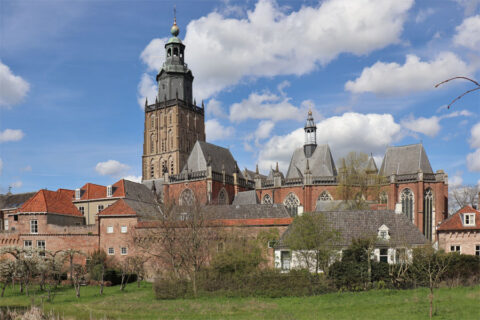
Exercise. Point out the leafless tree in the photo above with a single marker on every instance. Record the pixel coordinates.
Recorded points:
(461, 196)
(78, 276)
(463, 94)
(137, 264)
(70, 254)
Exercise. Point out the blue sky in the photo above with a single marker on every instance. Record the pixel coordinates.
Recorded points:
(72, 75)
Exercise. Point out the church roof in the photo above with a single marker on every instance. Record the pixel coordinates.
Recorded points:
(371, 166)
(405, 160)
(219, 157)
(321, 163)
(246, 197)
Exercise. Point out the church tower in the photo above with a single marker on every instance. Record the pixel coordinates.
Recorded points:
(173, 123)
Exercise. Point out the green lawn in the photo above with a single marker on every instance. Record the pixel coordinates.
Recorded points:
(134, 303)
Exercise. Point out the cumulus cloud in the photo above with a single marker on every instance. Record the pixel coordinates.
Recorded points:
(468, 33)
(430, 126)
(215, 131)
(133, 178)
(146, 89)
(413, 76)
(348, 132)
(264, 129)
(11, 135)
(475, 138)
(16, 184)
(423, 14)
(111, 168)
(470, 6)
(215, 108)
(13, 89)
(473, 161)
(268, 40)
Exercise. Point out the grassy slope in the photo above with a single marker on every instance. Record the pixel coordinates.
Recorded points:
(456, 303)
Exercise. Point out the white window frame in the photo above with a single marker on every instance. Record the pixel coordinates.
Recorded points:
(98, 208)
(469, 219)
(5, 224)
(124, 251)
(380, 255)
(44, 247)
(34, 225)
(111, 251)
(30, 246)
(109, 191)
(109, 229)
(77, 194)
(455, 248)
(123, 229)
(81, 209)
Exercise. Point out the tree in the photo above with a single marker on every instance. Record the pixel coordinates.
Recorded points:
(461, 196)
(78, 276)
(358, 182)
(137, 264)
(7, 273)
(428, 268)
(98, 261)
(313, 240)
(70, 255)
(50, 267)
(463, 94)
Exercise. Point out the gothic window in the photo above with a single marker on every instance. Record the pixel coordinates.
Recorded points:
(292, 203)
(325, 196)
(169, 52)
(152, 143)
(267, 199)
(164, 166)
(428, 213)
(187, 198)
(152, 169)
(152, 122)
(175, 52)
(163, 145)
(407, 203)
(170, 139)
(172, 167)
(181, 53)
(383, 198)
(223, 197)
(170, 117)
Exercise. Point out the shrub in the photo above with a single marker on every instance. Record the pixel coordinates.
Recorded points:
(170, 288)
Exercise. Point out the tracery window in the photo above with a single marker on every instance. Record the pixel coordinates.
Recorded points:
(172, 167)
(325, 196)
(152, 143)
(292, 203)
(383, 198)
(428, 213)
(223, 197)
(407, 203)
(187, 198)
(152, 169)
(152, 121)
(267, 199)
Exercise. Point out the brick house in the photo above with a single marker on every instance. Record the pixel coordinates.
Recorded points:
(461, 232)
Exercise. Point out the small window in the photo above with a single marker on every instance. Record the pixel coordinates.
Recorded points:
(82, 209)
(455, 248)
(99, 208)
(41, 247)
(123, 229)
(285, 258)
(111, 251)
(383, 255)
(27, 244)
(33, 226)
(383, 234)
(5, 224)
(469, 219)
(15, 217)
(477, 250)
(110, 229)
(77, 194)
(124, 251)
(109, 191)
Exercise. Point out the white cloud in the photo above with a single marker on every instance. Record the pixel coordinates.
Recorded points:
(268, 41)
(11, 135)
(13, 89)
(215, 131)
(456, 180)
(422, 15)
(111, 168)
(473, 161)
(16, 184)
(28, 168)
(468, 33)
(470, 6)
(349, 132)
(214, 108)
(427, 126)
(146, 89)
(264, 129)
(475, 138)
(415, 75)
(154, 54)
(133, 178)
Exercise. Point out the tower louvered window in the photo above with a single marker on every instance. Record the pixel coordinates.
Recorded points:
(292, 203)
(407, 203)
(428, 214)
(267, 199)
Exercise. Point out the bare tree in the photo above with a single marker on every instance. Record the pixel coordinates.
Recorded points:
(70, 255)
(78, 276)
(137, 264)
(463, 94)
(461, 196)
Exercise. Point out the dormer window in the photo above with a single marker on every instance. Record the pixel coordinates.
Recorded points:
(383, 233)
(469, 219)
(109, 191)
(77, 194)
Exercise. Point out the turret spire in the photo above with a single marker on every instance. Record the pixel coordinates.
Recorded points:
(310, 135)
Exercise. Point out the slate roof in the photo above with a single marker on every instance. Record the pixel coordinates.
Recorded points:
(371, 166)
(250, 175)
(13, 201)
(405, 160)
(246, 197)
(455, 221)
(357, 224)
(321, 163)
(220, 158)
(46, 201)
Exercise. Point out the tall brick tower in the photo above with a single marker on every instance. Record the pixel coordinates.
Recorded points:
(173, 123)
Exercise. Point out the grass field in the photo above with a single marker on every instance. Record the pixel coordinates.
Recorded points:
(139, 303)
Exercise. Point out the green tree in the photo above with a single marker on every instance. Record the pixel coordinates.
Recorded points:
(314, 241)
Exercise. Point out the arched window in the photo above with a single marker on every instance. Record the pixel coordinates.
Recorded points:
(170, 140)
(428, 213)
(223, 196)
(407, 203)
(152, 169)
(267, 199)
(152, 143)
(187, 198)
(181, 53)
(383, 198)
(175, 52)
(172, 167)
(292, 203)
(152, 121)
(169, 52)
(325, 196)
(164, 166)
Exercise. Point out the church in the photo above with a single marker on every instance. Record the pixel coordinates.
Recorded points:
(181, 167)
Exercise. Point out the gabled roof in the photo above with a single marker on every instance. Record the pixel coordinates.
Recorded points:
(250, 175)
(246, 197)
(46, 201)
(371, 166)
(405, 160)
(69, 193)
(321, 163)
(128, 207)
(13, 201)
(455, 221)
(359, 224)
(220, 158)
(92, 191)
(120, 189)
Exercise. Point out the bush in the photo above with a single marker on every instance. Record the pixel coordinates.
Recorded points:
(111, 275)
(170, 288)
(463, 270)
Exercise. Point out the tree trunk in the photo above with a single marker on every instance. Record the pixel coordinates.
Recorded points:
(3, 289)
(369, 264)
(71, 270)
(430, 296)
(138, 281)
(194, 283)
(102, 281)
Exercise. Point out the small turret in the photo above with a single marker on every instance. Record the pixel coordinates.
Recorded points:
(310, 136)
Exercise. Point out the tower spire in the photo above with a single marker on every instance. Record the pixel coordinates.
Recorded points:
(310, 135)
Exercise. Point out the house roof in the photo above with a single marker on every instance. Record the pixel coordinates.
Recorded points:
(46, 201)
(321, 163)
(219, 158)
(246, 197)
(128, 207)
(13, 201)
(250, 175)
(405, 160)
(455, 221)
(120, 189)
(358, 224)
(69, 193)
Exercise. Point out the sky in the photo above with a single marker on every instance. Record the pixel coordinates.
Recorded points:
(74, 76)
